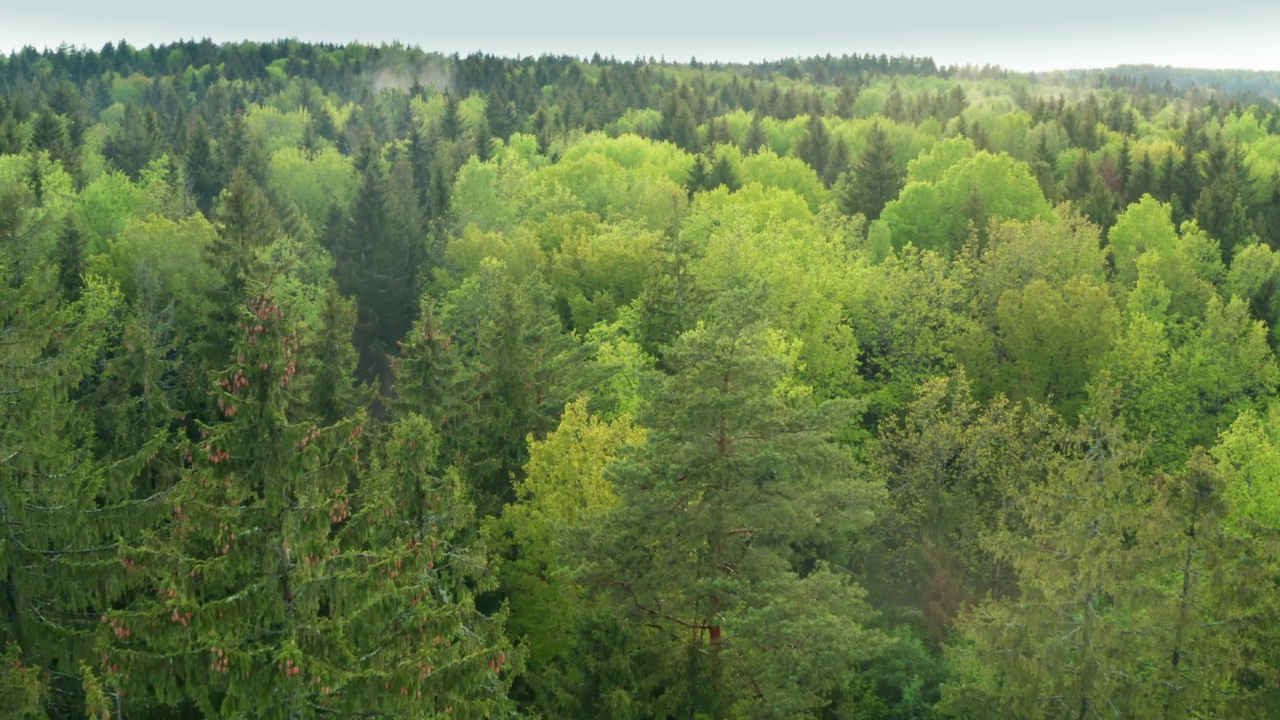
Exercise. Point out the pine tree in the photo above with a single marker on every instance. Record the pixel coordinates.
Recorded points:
(716, 543)
(874, 180)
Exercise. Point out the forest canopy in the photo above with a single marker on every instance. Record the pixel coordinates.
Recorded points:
(360, 381)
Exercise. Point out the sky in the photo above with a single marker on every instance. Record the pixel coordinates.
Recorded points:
(1016, 34)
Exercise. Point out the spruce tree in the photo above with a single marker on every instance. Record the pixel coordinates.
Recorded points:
(1063, 646)
(723, 174)
(517, 368)
(71, 260)
(198, 160)
(874, 180)
(838, 163)
(756, 137)
(295, 581)
(1143, 180)
(136, 143)
(698, 177)
(61, 511)
(814, 147)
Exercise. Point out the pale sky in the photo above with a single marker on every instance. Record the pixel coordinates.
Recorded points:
(1019, 35)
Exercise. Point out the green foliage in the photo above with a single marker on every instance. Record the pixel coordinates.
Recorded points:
(709, 347)
(938, 215)
(724, 516)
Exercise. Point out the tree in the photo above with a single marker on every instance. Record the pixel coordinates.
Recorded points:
(1064, 645)
(201, 170)
(516, 370)
(953, 464)
(71, 260)
(1126, 601)
(725, 537)
(837, 163)
(563, 493)
(814, 146)
(723, 174)
(61, 514)
(377, 256)
(50, 134)
(874, 180)
(135, 143)
(756, 137)
(940, 215)
(294, 581)
(698, 177)
(1050, 341)
(679, 125)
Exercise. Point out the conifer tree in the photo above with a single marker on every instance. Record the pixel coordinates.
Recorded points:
(1124, 169)
(679, 125)
(198, 161)
(516, 370)
(421, 156)
(136, 143)
(874, 180)
(71, 260)
(292, 580)
(377, 257)
(814, 147)
(329, 362)
(723, 175)
(756, 137)
(717, 542)
(698, 177)
(1042, 167)
(50, 133)
(1143, 179)
(1064, 645)
(60, 513)
(838, 163)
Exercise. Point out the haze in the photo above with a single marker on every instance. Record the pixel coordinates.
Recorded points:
(1017, 35)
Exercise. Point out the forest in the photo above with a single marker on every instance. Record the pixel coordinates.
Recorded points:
(353, 381)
